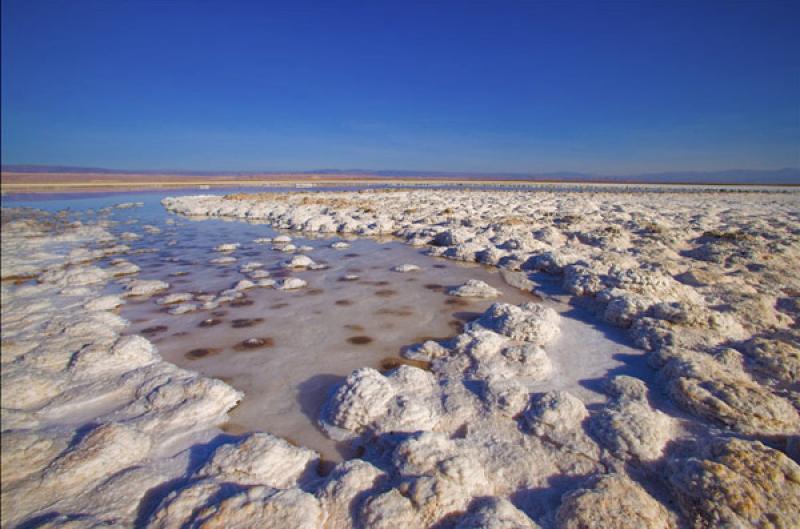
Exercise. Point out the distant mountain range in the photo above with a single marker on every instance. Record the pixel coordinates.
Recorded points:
(786, 176)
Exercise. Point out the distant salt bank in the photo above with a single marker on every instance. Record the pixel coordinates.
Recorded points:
(99, 429)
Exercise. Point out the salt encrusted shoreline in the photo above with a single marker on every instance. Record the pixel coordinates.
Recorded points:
(707, 284)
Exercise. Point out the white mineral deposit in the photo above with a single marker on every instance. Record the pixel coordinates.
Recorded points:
(576, 358)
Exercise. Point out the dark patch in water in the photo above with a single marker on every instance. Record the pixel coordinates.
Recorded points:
(354, 270)
(351, 255)
(456, 302)
(179, 273)
(354, 327)
(343, 302)
(395, 312)
(385, 293)
(219, 313)
(359, 340)
(440, 266)
(181, 333)
(436, 287)
(149, 331)
(393, 362)
(242, 302)
(251, 254)
(201, 352)
(254, 343)
(280, 305)
(245, 322)
(210, 322)
(314, 291)
(348, 279)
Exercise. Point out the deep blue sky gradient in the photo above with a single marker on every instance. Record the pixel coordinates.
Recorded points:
(604, 87)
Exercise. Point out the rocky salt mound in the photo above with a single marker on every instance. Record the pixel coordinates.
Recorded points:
(707, 286)
(91, 420)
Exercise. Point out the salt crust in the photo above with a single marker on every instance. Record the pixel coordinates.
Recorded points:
(93, 424)
(661, 271)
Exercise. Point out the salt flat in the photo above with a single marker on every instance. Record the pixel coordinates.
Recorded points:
(646, 375)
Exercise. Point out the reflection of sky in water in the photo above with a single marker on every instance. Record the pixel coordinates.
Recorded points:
(310, 339)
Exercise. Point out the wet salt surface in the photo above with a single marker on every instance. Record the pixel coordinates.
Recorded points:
(288, 349)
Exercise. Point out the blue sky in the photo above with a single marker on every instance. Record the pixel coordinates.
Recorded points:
(603, 87)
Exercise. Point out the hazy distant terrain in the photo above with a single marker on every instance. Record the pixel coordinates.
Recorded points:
(46, 173)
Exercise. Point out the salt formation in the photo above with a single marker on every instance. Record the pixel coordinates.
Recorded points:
(403, 401)
(302, 262)
(612, 501)
(404, 268)
(475, 289)
(227, 247)
(736, 483)
(88, 415)
(531, 322)
(98, 430)
(291, 283)
(704, 283)
(629, 426)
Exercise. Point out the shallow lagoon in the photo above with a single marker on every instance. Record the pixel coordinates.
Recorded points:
(288, 349)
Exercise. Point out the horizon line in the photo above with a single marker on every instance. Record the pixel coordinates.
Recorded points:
(55, 168)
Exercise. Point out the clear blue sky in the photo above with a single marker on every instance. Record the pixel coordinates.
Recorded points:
(604, 87)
